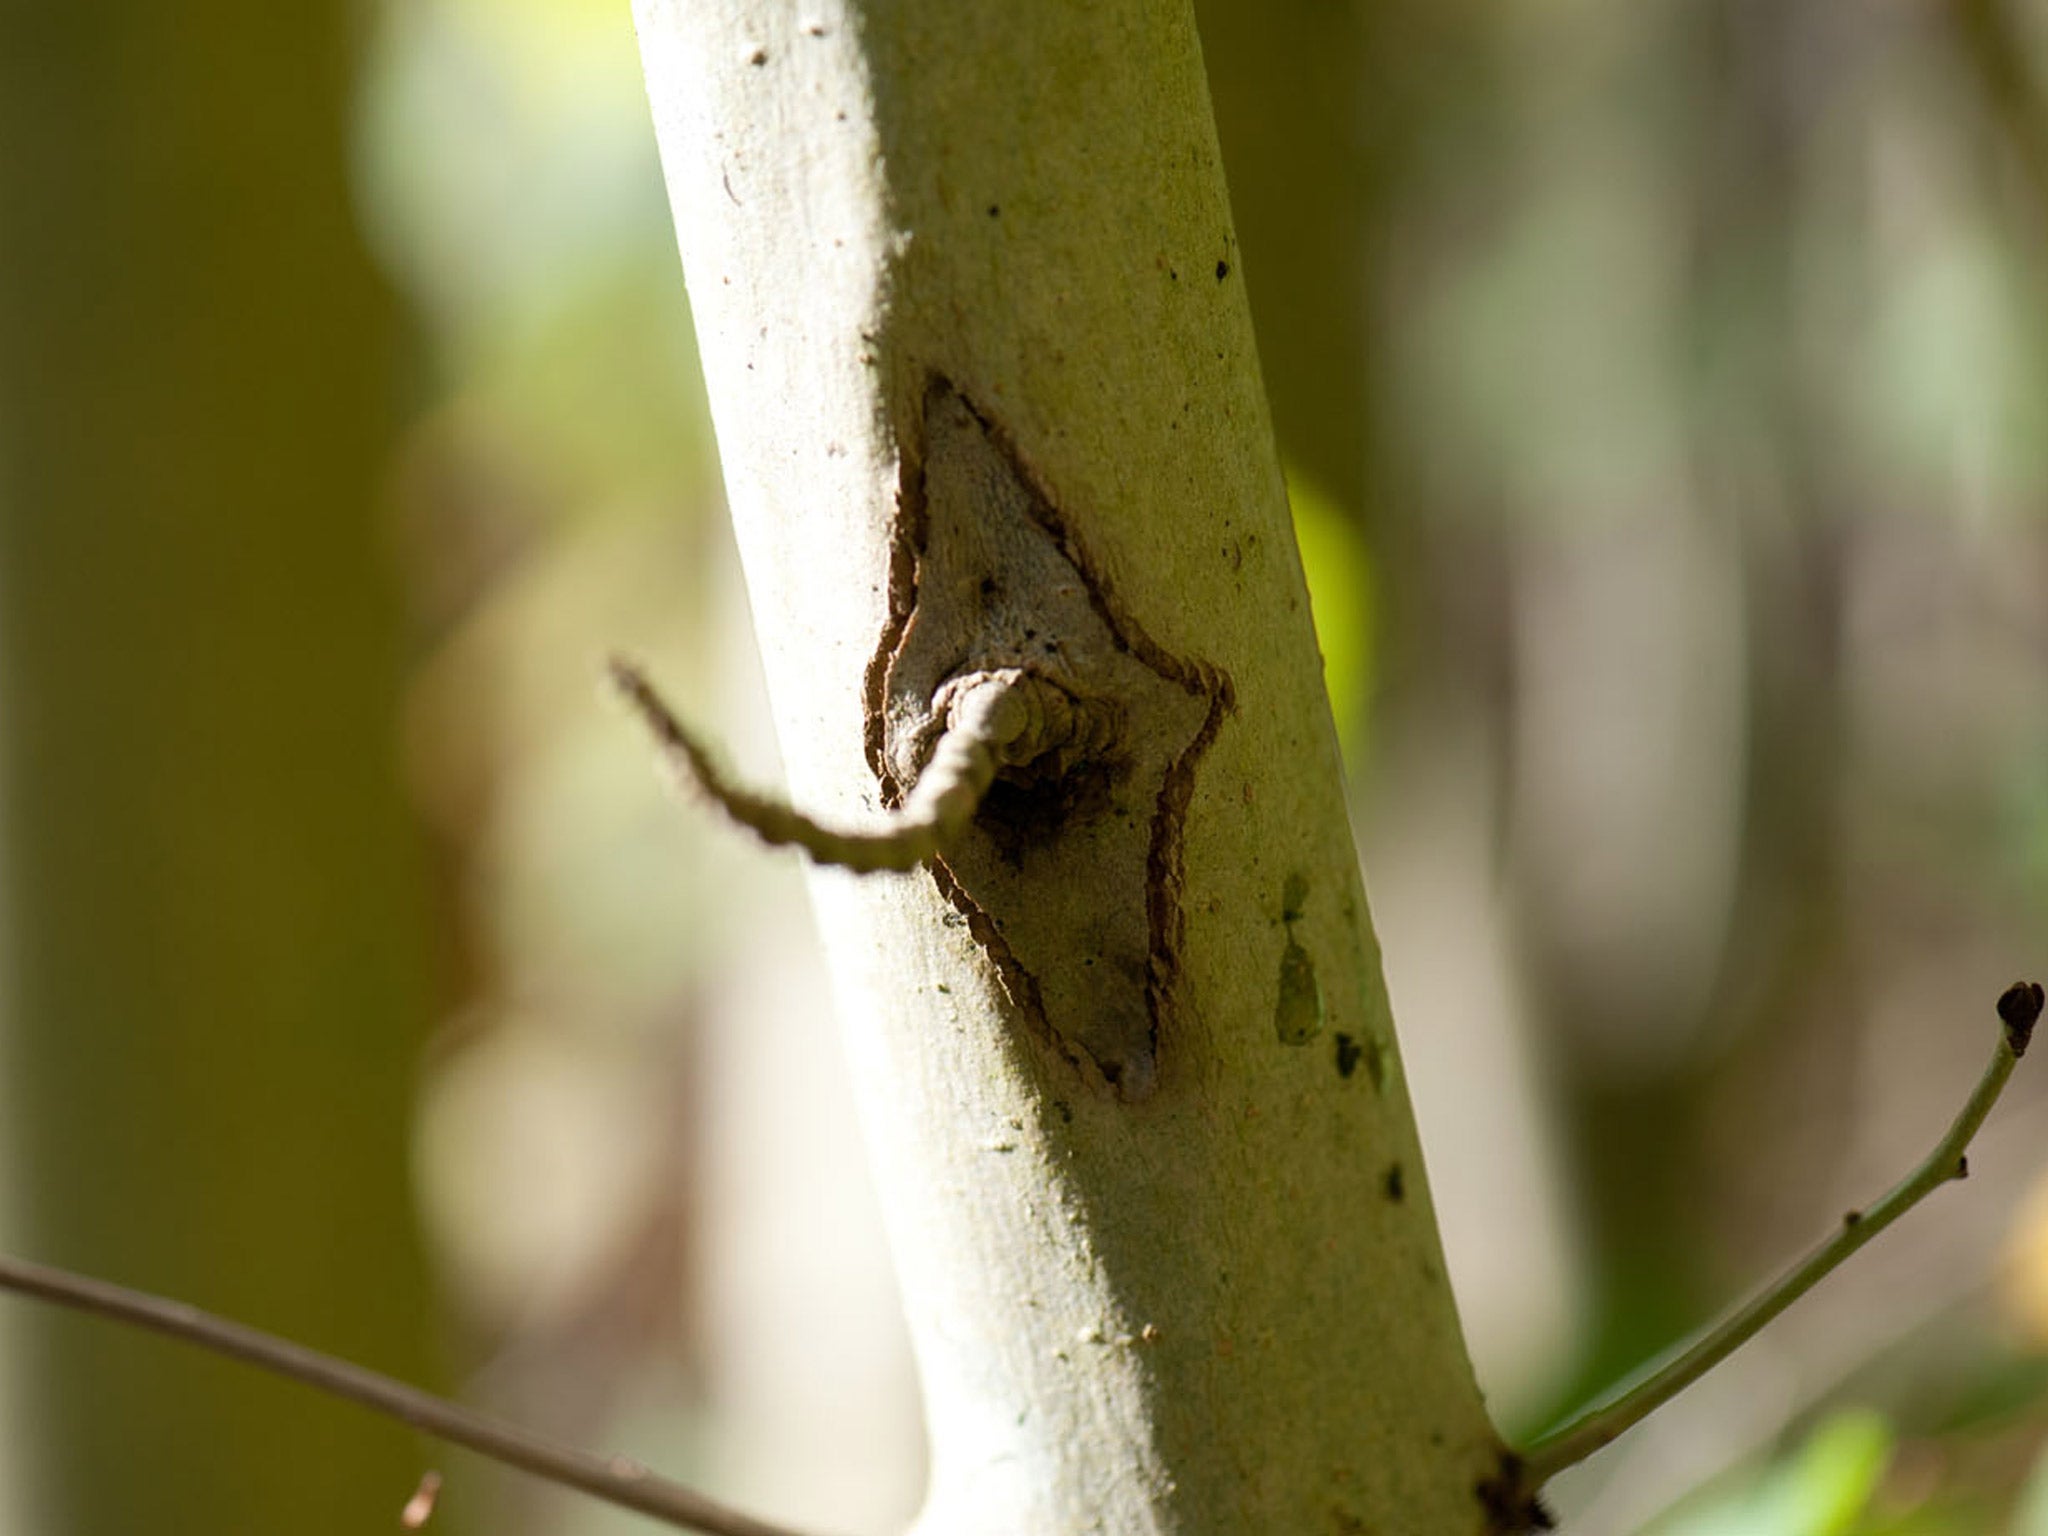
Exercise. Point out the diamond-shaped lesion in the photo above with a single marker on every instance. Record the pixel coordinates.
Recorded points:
(1069, 874)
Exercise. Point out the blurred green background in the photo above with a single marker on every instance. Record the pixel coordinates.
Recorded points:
(1665, 390)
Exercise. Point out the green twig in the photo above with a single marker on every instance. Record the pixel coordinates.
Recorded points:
(617, 1479)
(2017, 1010)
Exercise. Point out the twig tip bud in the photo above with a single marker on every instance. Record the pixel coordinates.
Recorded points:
(2018, 1007)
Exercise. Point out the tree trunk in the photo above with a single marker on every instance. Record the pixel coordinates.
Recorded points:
(981, 365)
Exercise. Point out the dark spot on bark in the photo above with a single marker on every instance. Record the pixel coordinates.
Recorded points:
(2019, 1007)
(1222, 270)
(1397, 1184)
(1348, 1053)
(760, 57)
(1064, 1110)
(1293, 897)
(1023, 810)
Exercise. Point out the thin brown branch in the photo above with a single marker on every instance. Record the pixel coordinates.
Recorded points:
(995, 719)
(616, 1479)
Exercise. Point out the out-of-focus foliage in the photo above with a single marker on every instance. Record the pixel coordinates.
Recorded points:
(1822, 1489)
(1338, 566)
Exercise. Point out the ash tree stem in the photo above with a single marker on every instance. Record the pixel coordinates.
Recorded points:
(615, 1479)
(2018, 1008)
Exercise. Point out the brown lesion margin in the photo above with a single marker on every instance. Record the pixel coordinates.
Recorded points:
(1166, 919)
(906, 545)
(1164, 876)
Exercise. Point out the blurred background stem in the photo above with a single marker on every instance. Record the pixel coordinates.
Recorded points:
(215, 990)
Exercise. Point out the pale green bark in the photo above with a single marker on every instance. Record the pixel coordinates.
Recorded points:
(1209, 1298)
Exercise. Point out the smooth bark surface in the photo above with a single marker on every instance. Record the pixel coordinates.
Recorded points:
(1165, 1240)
